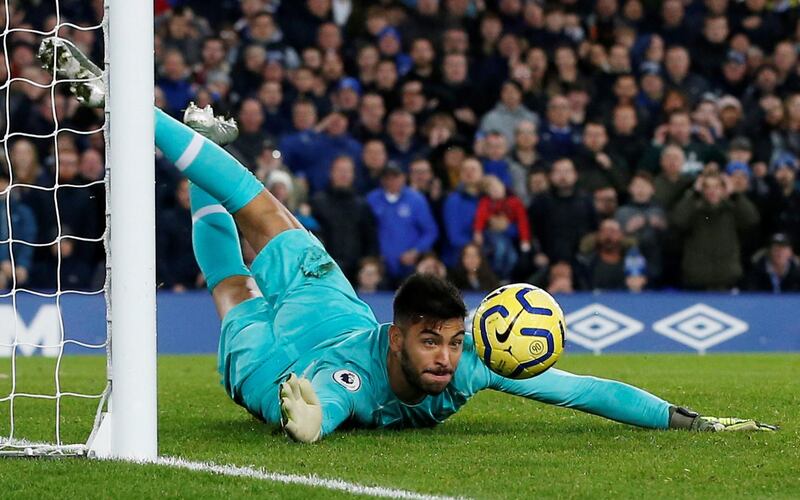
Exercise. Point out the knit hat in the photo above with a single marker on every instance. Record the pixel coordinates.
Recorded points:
(280, 177)
(737, 166)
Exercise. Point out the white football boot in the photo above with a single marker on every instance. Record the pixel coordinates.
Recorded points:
(71, 64)
(215, 128)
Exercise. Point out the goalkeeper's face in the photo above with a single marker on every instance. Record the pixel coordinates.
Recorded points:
(430, 352)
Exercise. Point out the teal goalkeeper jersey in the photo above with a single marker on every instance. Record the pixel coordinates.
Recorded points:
(350, 378)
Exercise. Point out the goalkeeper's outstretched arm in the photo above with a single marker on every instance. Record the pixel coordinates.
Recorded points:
(606, 398)
(617, 401)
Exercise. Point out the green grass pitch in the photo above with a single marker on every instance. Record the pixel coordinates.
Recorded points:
(498, 446)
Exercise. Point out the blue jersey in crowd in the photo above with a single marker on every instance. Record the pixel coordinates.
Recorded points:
(405, 222)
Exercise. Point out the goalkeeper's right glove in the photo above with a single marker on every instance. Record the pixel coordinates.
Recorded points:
(301, 412)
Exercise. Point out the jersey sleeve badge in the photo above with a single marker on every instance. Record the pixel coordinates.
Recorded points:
(347, 379)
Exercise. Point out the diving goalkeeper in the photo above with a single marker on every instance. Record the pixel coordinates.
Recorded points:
(300, 349)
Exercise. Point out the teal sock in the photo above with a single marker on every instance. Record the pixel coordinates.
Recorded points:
(214, 239)
(205, 163)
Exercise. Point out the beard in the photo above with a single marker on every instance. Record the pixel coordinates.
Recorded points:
(413, 377)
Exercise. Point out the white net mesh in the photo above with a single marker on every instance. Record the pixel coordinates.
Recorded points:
(52, 381)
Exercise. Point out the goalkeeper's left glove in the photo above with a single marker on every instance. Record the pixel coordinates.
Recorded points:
(684, 418)
(301, 412)
(728, 424)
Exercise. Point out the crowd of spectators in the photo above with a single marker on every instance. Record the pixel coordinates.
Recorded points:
(573, 144)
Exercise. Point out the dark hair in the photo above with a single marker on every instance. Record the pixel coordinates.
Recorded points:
(426, 297)
(644, 175)
(487, 280)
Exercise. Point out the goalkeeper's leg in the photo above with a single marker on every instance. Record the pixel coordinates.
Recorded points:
(258, 214)
(218, 252)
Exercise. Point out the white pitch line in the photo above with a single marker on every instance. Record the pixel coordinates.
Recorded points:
(309, 480)
(27, 448)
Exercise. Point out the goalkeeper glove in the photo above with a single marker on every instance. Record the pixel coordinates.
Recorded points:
(684, 418)
(728, 424)
(301, 412)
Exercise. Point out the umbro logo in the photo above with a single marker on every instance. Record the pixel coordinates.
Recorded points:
(700, 327)
(596, 327)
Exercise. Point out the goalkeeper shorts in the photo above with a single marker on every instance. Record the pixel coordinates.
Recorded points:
(307, 304)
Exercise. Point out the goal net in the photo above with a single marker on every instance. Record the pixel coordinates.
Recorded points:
(63, 389)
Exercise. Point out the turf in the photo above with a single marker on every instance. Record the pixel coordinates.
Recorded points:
(497, 447)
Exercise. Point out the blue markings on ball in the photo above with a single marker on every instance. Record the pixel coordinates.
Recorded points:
(498, 309)
(535, 332)
(527, 305)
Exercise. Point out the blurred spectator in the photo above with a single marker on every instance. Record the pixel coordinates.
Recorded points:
(23, 228)
(711, 47)
(334, 141)
(302, 150)
(671, 182)
(406, 227)
(495, 160)
(175, 82)
(767, 134)
(645, 221)
(184, 32)
(472, 271)
(775, 269)
(559, 138)
(370, 278)
(367, 59)
(281, 185)
(782, 208)
(422, 180)
(371, 112)
(626, 139)
(524, 158)
(563, 215)
(77, 213)
(456, 93)
(277, 121)
(425, 21)
(247, 73)
(305, 18)
(386, 77)
(429, 263)
(423, 56)
(605, 203)
(508, 112)
(597, 166)
(459, 209)
(346, 97)
(390, 47)
(678, 75)
(501, 227)
(734, 74)
(212, 60)
(247, 147)
(608, 261)
(560, 278)
(678, 130)
(347, 226)
(261, 30)
(402, 144)
(373, 160)
(712, 220)
(176, 268)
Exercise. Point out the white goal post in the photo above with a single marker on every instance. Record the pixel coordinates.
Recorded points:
(129, 429)
(125, 423)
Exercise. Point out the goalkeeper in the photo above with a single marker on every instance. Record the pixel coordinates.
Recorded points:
(300, 349)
